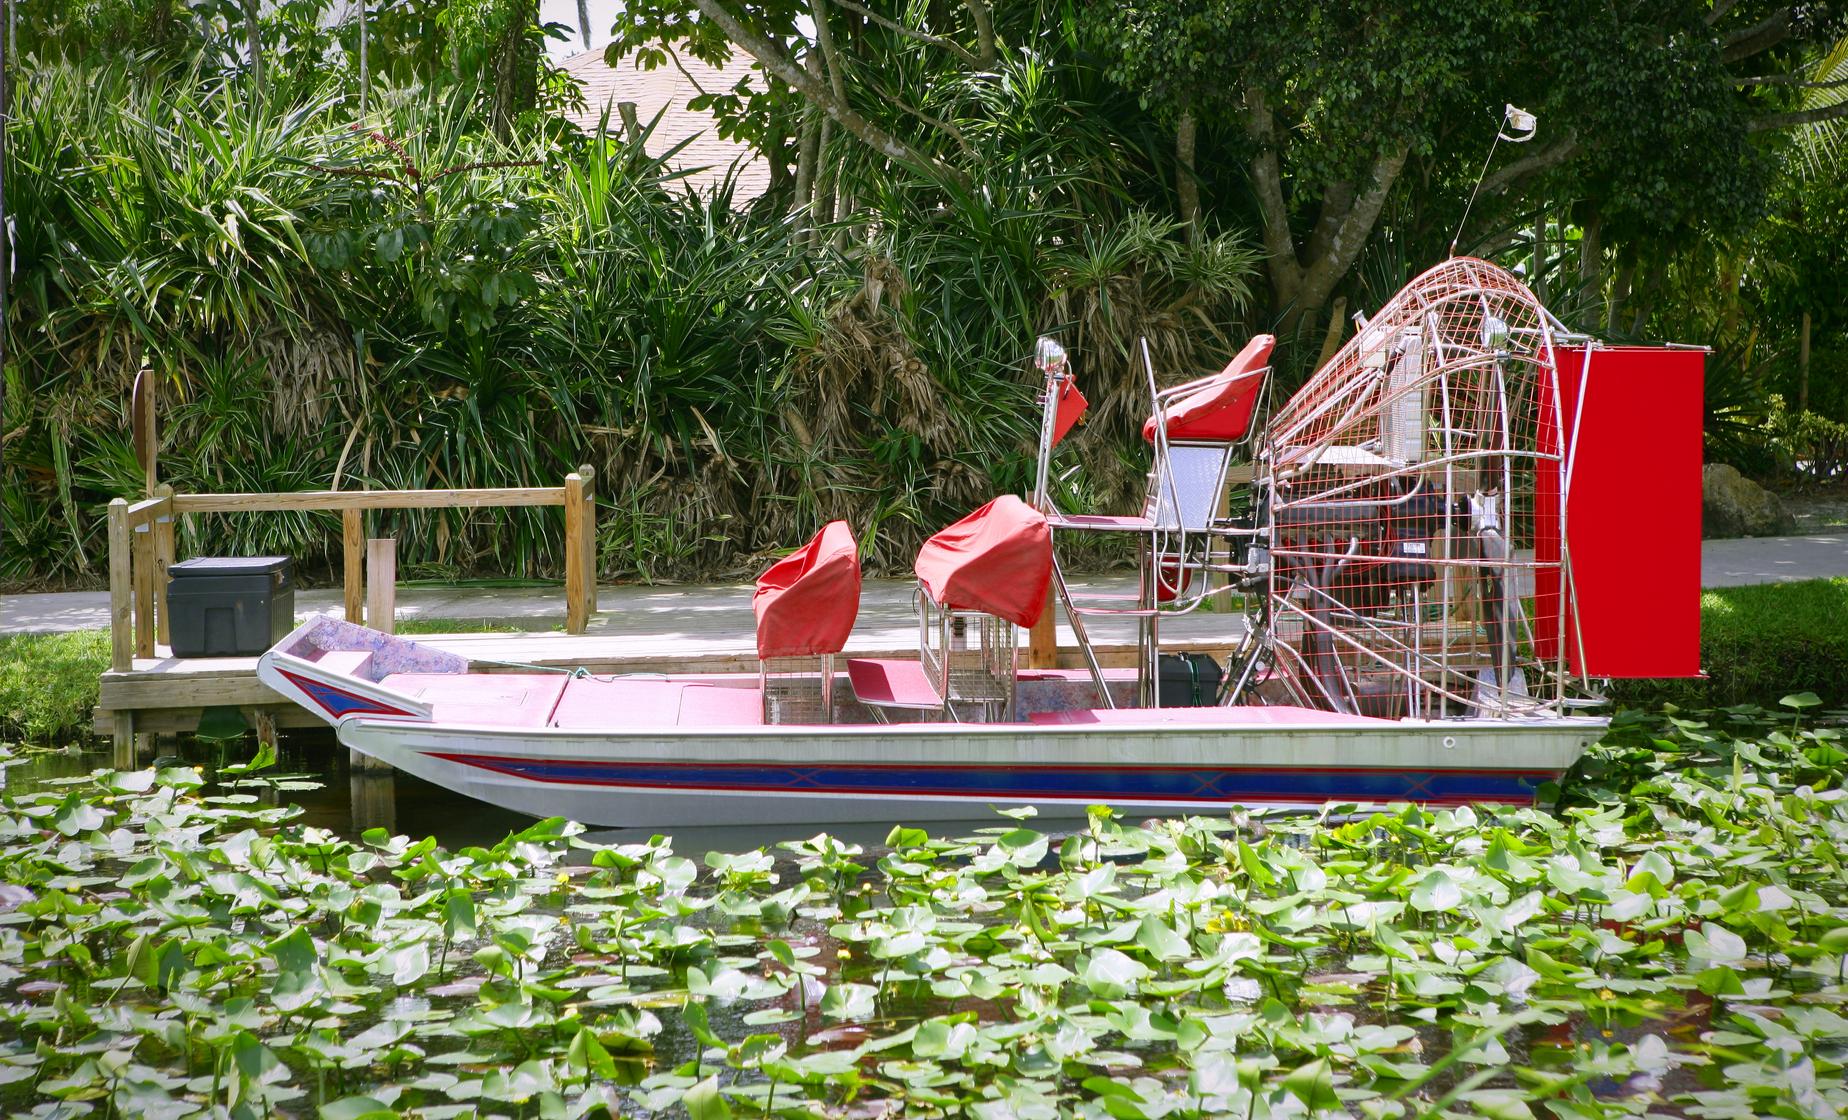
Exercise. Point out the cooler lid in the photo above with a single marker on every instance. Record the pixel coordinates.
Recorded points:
(229, 566)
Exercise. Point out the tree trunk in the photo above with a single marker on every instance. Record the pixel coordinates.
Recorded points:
(584, 21)
(822, 208)
(365, 77)
(253, 43)
(1591, 269)
(1352, 232)
(984, 33)
(1337, 326)
(844, 233)
(777, 62)
(1803, 365)
(1537, 274)
(1620, 289)
(824, 38)
(1186, 179)
(807, 149)
(1731, 273)
(516, 69)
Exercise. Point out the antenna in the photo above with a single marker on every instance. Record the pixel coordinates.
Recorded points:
(1523, 125)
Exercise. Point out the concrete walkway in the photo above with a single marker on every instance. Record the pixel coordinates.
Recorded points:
(1735, 563)
(1728, 563)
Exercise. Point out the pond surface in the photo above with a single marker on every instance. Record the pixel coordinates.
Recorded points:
(348, 802)
(1670, 941)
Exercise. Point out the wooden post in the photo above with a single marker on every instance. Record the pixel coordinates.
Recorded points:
(163, 559)
(371, 794)
(141, 552)
(575, 613)
(382, 584)
(123, 739)
(353, 542)
(589, 475)
(121, 593)
(142, 431)
(1043, 639)
(265, 724)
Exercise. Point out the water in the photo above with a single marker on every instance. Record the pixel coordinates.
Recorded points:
(347, 802)
(350, 801)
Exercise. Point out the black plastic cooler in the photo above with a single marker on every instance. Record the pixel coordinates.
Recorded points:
(229, 606)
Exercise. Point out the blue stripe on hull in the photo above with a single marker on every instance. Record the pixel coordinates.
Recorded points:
(1029, 783)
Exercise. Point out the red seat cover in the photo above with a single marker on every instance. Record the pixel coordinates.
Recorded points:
(807, 601)
(1071, 408)
(997, 560)
(1220, 411)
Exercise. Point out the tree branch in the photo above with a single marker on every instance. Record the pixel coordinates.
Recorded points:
(824, 35)
(1758, 38)
(777, 62)
(1267, 181)
(1337, 200)
(1186, 177)
(943, 126)
(1565, 149)
(1790, 120)
(1327, 271)
(1720, 8)
(984, 33)
(1797, 80)
(912, 32)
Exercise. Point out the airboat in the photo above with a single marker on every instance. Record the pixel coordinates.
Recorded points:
(1445, 543)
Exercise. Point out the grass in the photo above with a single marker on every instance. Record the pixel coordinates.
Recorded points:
(1761, 643)
(464, 626)
(48, 683)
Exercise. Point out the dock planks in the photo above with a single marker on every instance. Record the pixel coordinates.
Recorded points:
(637, 630)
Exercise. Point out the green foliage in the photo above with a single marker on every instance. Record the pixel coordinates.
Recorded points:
(460, 290)
(1761, 643)
(48, 684)
(413, 303)
(1802, 446)
(1507, 961)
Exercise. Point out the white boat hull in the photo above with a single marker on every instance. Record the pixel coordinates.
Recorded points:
(909, 773)
(662, 753)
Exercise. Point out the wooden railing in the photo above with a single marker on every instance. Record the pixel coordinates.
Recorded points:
(141, 543)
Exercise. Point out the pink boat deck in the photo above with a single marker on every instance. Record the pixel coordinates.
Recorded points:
(584, 703)
(1241, 716)
(593, 704)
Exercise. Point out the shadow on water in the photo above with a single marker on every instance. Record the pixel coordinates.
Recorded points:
(350, 800)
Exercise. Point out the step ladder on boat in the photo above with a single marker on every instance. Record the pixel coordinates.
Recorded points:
(1199, 432)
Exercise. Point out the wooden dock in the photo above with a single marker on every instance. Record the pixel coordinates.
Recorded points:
(633, 630)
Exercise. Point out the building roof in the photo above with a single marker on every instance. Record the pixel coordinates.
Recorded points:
(670, 87)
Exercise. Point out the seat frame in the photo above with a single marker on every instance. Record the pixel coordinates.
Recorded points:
(1180, 526)
(979, 680)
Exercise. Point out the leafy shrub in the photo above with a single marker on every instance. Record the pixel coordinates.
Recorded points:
(48, 683)
(1806, 446)
(416, 303)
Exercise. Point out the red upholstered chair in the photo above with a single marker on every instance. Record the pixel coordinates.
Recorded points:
(978, 580)
(805, 606)
(1219, 408)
